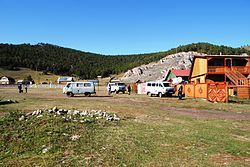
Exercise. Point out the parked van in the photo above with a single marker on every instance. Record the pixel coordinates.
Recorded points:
(75, 88)
(159, 88)
(116, 87)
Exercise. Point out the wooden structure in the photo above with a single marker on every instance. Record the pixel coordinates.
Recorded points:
(184, 74)
(233, 70)
(214, 92)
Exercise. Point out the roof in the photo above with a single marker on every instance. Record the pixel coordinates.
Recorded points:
(65, 79)
(181, 73)
(222, 56)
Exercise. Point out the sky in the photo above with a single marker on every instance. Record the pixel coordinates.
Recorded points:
(118, 27)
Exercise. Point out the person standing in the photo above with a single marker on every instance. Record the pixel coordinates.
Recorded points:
(109, 89)
(129, 89)
(180, 92)
(19, 88)
(26, 88)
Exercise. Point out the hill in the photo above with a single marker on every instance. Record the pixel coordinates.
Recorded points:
(65, 61)
(22, 73)
(247, 47)
(157, 70)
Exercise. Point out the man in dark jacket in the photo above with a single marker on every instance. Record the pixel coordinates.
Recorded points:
(180, 92)
(129, 89)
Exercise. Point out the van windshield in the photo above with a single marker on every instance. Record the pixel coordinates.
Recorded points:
(121, 84)
(166, 84)
(68, 85)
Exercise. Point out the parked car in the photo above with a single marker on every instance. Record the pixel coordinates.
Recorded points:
(116, 87)
(75, 88)
(159, 88)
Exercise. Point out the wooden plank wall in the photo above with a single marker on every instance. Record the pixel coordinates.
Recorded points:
(243, 92)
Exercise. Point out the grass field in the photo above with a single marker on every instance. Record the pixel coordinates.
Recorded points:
(152, 131)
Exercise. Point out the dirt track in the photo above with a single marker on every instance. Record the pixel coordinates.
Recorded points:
(206, 114)
(133, 105)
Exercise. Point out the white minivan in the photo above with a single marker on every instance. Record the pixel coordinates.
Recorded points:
(159, 88)
(75, 88)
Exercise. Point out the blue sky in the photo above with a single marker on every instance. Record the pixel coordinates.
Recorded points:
(125, 26)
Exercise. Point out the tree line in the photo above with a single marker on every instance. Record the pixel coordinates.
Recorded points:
(86, 65)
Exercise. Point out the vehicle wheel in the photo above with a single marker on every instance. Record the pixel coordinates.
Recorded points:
(160, 95)
(87, 94)
(169, 95)
(116, 92)
(149, 94)
(70, 94)
(123, 92)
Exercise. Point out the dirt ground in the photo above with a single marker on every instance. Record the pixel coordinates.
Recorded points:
(138, 105)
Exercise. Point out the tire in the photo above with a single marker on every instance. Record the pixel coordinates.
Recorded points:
(160, 94)
(87, 94)
(70, 94)
(149, 94)
(123, 92)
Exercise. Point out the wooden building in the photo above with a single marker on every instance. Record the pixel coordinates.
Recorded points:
(172, 73)
(232, 70)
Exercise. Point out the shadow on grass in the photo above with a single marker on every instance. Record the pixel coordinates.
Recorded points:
(83, 96)
(238, 100)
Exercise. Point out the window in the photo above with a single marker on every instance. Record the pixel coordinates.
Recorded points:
(87, 85)
(157, 84)
(68, 85)
(166, 84)
(121, 84)
(216, 62)
(153, 84)
(79, 84)
(149, 84)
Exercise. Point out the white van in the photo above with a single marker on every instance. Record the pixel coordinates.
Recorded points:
(159, 88)
(74, 88)
(116, 87)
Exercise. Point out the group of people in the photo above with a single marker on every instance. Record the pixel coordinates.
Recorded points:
(20, 90)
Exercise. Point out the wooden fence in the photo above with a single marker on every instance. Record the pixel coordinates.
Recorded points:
(216, 92)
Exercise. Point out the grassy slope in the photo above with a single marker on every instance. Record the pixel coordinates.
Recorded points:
(24, 72)
(148, 134)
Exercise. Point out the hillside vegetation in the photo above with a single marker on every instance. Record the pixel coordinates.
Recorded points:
(66, 61)
(23, 73)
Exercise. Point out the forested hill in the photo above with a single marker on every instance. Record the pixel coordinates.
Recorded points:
(66, 61)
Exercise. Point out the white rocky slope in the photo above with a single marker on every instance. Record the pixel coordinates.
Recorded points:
(157, 70)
